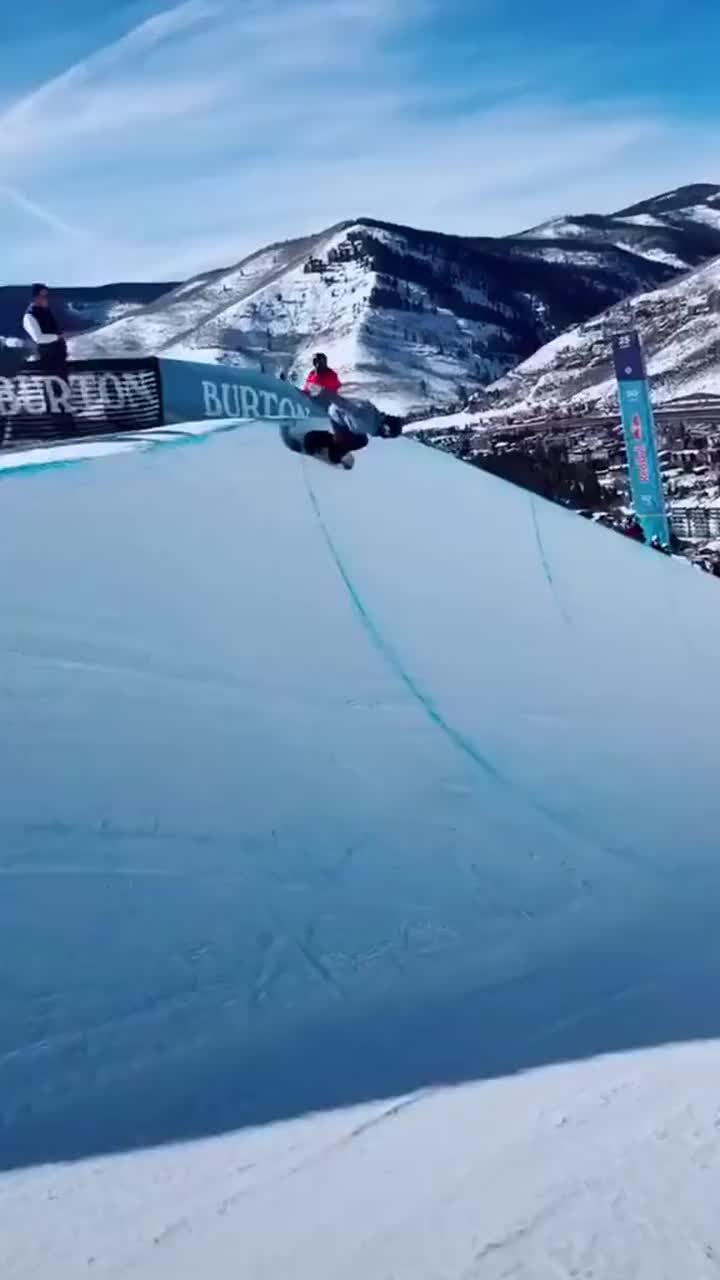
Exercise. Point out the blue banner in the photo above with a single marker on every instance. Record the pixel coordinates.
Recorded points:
(639, 428)
(191, 392)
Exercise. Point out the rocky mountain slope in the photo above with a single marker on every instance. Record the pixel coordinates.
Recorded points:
(680, 327)
(679, 321)
(413, 318)
(680, 228)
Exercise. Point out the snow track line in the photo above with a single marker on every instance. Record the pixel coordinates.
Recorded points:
(546, 564)
(460, 740)
(393, 659)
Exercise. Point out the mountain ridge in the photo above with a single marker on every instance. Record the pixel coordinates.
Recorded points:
(412, 317)
(420, 320)
(681, 336)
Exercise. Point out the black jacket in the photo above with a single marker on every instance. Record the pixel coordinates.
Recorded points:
(43, 319)
(41, 326)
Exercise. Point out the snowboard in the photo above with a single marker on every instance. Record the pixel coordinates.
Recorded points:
(294, 439)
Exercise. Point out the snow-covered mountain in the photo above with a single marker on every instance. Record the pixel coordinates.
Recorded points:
(698, 203)
(80, 308)
(680, 326)
(413, 318)
(679, 228)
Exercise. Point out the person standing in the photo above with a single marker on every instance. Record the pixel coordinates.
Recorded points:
(41, 326)
(321, 376)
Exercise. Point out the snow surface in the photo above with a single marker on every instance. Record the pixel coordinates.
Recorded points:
(705, 213)
(356, 871)
(57, 455)
(451, 421)
(614, 231)
(644, 220)
(603, 1168)
(654, 254)
(562, 228)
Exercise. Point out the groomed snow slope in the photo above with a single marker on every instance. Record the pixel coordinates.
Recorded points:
(325, 791)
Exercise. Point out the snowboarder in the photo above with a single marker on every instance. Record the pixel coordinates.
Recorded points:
(43, 329)
(321, 375)
(352, 423)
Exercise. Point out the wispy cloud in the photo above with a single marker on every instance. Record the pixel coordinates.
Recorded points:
(110, 90)
(216, 125)
(38, 211)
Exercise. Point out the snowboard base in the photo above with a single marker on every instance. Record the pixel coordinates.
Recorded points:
(297, 444)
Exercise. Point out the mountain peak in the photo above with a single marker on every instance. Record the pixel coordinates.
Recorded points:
(670, 201)
(418, 320)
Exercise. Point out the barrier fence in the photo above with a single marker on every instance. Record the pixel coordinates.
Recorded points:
(99, 397)
(84, 398)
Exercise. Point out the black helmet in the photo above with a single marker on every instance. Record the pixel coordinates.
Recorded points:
(319, 358)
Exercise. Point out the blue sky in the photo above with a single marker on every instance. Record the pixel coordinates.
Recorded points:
(151, 140)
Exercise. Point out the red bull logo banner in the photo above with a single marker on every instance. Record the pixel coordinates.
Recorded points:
(640, 442)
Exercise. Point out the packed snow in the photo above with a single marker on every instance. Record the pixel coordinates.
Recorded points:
(360, 878)
(604, 1168)
(33, 457)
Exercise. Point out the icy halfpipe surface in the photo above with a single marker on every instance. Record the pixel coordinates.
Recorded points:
(322, 788)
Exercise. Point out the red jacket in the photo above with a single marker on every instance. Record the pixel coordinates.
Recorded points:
(327, 379)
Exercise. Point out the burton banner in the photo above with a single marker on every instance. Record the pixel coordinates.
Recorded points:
(81, 398)
(191, 392)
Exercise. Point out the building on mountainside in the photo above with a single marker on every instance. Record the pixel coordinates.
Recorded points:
(580, 462)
